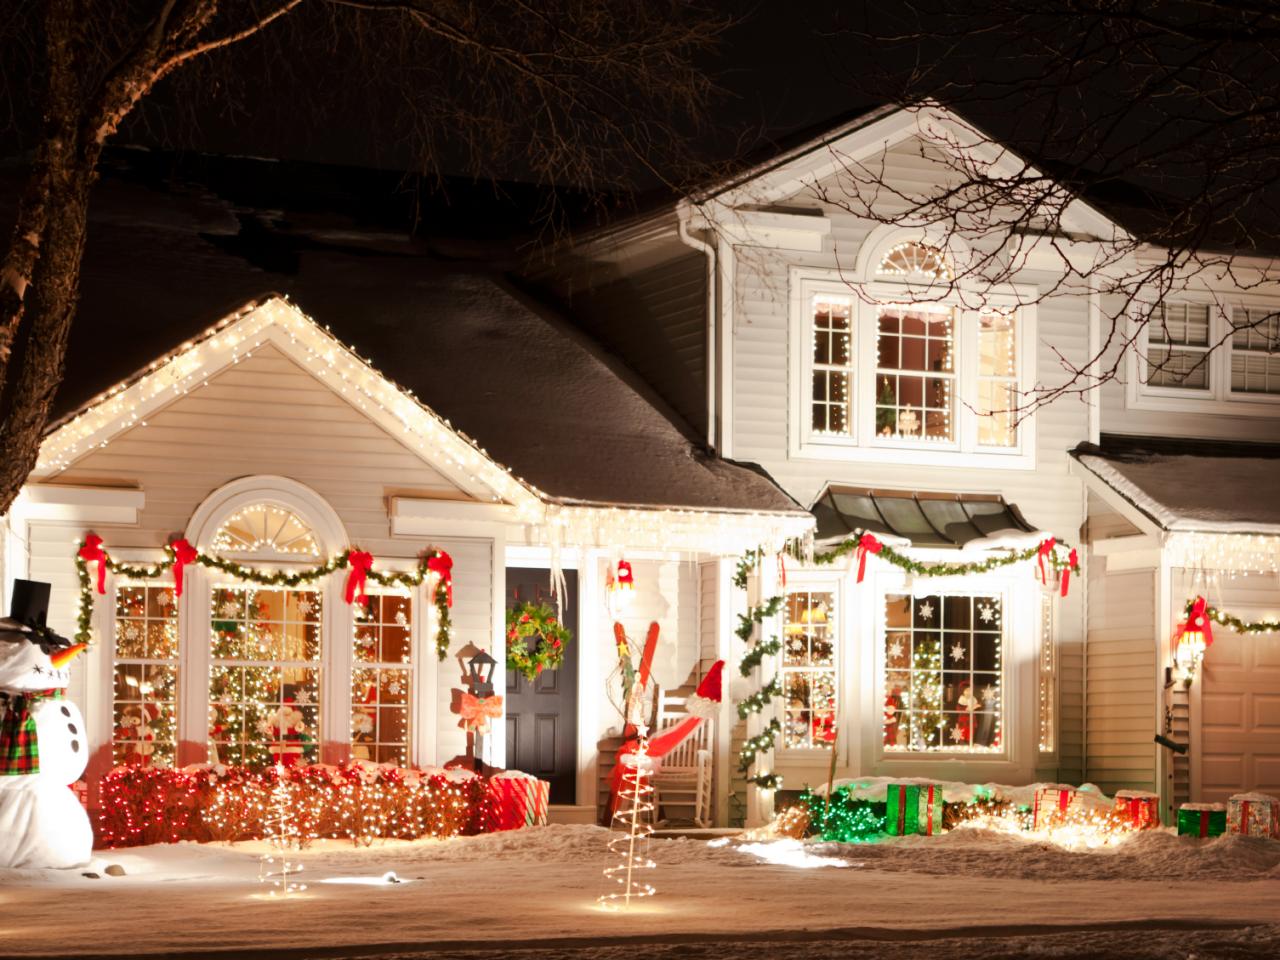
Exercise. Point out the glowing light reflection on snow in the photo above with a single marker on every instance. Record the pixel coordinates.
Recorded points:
(388, 879)
(791, 853)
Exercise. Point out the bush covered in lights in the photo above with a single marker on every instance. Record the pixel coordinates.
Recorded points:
(845, 819)
(357, 801)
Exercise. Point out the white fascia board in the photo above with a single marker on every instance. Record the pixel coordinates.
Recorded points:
(1121, 495)
(47, 501)
(298, 336)
(775, 231)
(414, 516)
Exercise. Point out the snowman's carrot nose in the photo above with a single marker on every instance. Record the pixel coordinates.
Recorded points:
(66, 655)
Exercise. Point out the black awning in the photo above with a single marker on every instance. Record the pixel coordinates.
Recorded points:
(926, 519)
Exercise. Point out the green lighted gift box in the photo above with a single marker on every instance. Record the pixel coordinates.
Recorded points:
(913, 808)
(1202, 820)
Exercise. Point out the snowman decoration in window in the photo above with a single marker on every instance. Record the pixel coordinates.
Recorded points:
(43, 747)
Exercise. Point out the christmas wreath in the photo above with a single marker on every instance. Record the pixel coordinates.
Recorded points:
(527, 621)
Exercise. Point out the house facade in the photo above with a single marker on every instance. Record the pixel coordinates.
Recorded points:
(856, 362)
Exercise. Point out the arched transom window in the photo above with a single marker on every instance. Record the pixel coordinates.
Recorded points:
(912, 258)
(265, 528)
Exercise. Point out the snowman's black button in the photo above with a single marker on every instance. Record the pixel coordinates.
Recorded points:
(66, 712)
(72, 728)
(75, 746)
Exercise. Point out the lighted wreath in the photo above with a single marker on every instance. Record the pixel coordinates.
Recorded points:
(536, 640)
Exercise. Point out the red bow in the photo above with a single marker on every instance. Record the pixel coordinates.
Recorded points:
(1073, 563)
(360, 563)
(91, 551)
(183, 553)
(1046, 552)
(782, 569)
(442, 564)
(867, 544)
(478, 711)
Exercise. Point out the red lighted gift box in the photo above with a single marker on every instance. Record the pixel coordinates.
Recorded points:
(516, 800)
(1138, 808)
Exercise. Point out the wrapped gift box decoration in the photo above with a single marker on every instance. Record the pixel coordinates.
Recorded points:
(1202, 820)
(1254, 815)
(515, 800)
(1054, 803)
(1138, 808)
(913, 808)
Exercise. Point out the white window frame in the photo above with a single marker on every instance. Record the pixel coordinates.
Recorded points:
(1009, 692)
(836, 583)
(1219, 398)
(417, 596)
(863, 445)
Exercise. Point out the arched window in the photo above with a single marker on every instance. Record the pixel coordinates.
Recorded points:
(266, 529)
(913, 258)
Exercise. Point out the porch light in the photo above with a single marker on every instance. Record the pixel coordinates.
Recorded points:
(480, 674)
(1194, 637)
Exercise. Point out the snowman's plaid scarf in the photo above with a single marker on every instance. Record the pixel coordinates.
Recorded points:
(19, 748)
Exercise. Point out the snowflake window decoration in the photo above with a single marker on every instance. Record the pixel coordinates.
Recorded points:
(926, 611)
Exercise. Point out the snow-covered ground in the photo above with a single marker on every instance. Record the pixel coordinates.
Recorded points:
(1176, 896)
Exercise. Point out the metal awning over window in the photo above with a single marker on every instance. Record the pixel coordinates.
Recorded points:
(926, 519)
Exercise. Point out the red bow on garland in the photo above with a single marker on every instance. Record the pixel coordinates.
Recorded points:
(867, 544)
(91, 551)
(360, 563)
(183, 553)
(442, 564)
(1046, 553)
(1073, 563)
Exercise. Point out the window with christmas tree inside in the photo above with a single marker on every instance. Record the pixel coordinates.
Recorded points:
(381, 679)
(943, 673)
(146, 675)
(809, 669)
(264, 675)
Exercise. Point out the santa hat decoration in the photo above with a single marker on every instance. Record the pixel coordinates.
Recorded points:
(705, 703)
(624, 579)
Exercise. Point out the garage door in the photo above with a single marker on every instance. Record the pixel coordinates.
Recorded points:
(1240, 715)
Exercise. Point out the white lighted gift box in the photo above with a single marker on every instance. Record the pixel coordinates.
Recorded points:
(1254, 815)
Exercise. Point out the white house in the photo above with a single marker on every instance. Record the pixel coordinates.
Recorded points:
(839, 356)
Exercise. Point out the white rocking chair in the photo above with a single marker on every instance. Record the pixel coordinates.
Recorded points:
(682, 783)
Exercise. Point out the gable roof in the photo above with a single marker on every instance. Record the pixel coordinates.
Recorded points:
(161, 271)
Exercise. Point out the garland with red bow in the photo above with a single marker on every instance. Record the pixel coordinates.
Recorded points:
(1051, 564)
(1231, 621)
(180, 554)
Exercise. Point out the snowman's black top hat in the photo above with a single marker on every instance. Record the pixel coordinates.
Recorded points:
(28, 613)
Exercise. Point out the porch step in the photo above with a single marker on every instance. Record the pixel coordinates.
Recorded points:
(569, 813)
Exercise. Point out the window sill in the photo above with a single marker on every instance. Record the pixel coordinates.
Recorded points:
(1183, 401)
(919, 456)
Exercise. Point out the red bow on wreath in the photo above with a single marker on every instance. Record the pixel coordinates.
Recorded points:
(360, 563)
(91, 551)
(442, 564)
(867, 544)
(183, 553)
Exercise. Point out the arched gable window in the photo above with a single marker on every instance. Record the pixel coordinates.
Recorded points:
(914, 258)
(266, 529)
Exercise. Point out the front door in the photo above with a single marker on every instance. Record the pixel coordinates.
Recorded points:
(542, 715)
(1240, 715)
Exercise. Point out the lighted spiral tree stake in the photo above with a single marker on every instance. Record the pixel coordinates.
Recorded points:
(281, 831)
(632, 825)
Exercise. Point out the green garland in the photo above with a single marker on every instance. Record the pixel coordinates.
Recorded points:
(275, 578)
(527, 620)
(1225, 619)
(757, 701)
(941, 569)
(753, 658)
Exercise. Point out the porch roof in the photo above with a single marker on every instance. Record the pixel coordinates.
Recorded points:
(925, 518)
(1191, 485)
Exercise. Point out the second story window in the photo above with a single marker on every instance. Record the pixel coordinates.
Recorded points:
(1178, 346)
(1255, 351)
(915, 373)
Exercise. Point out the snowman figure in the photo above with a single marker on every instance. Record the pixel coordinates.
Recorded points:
(43, 746)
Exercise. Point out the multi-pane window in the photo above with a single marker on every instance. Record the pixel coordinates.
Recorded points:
(1178, 338)
(943, 675)
(1047, 685)
(146, 675)
(264, 675)
(1255, 351)
(997, 380)
(833, 366)
(915, 373)
(381, 679)
(809, 670)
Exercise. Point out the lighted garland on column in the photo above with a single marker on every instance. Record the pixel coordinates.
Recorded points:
(1235, 623)
(180, 553)
(754, 657)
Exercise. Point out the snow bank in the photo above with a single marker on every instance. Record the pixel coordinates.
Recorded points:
(955, 791)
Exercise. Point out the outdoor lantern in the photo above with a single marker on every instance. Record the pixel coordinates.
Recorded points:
(1194, 637)
(480, 674)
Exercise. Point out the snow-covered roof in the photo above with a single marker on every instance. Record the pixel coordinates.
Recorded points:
(541, 398)
(1191, 485)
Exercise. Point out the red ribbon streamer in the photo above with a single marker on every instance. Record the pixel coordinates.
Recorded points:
(782, 570)
(91, 551)
(928, 828)
(360, 563)
(1204, 824)
(1046, 551)
(867, 544)
(183, 553)
(1073, 563)
(902, 811)
(442, 564)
